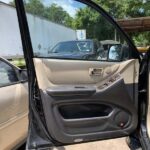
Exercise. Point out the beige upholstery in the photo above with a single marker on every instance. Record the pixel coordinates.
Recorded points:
(52, 72)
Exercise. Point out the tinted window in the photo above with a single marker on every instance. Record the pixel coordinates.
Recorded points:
(73, 47)
(71, 31)
(65, 47)
(7, 74)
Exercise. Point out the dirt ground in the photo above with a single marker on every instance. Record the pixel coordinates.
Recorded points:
(116, 144)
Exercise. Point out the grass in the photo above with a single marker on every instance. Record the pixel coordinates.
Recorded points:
(19, 62)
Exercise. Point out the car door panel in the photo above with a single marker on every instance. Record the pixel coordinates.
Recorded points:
(70, 130)
(49, 73)
(74, 98)
(57, 72)
(86, 107)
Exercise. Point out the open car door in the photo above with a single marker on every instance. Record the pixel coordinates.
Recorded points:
(79, 91)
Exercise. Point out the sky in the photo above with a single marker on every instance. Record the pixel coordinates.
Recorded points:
(68, 5)
(6, 1)
(71, 8)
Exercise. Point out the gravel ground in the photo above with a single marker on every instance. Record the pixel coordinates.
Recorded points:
(116, 144)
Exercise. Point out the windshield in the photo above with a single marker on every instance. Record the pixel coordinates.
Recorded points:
(73, 47)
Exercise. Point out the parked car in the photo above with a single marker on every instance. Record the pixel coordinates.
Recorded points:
(77, 49)
(13, 105)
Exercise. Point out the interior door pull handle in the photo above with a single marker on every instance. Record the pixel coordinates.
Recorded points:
(96, 71)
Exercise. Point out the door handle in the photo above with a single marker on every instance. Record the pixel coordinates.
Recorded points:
(96, 71)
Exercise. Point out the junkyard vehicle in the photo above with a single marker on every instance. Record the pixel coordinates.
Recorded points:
(79, 49)
(13, 105)
(76, 100)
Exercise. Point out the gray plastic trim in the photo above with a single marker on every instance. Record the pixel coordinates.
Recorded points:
(70, 131)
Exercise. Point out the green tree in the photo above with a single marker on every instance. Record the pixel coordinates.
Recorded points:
(88, 19)
(121, 9)
(12, 3)
(58, 14)
(141, 39)
(129, 9)
(53, 12)
(35, 7)
(95, 25)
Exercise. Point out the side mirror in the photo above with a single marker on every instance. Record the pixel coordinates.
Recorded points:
(115, 52)
(23, 76)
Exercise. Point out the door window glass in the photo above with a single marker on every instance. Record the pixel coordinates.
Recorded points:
(68, 29)
(7, 74)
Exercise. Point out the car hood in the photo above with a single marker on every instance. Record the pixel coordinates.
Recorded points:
(69, 55)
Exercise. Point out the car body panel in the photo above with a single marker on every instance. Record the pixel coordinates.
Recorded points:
(14, 132)
(13, 112)
(78, 53)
